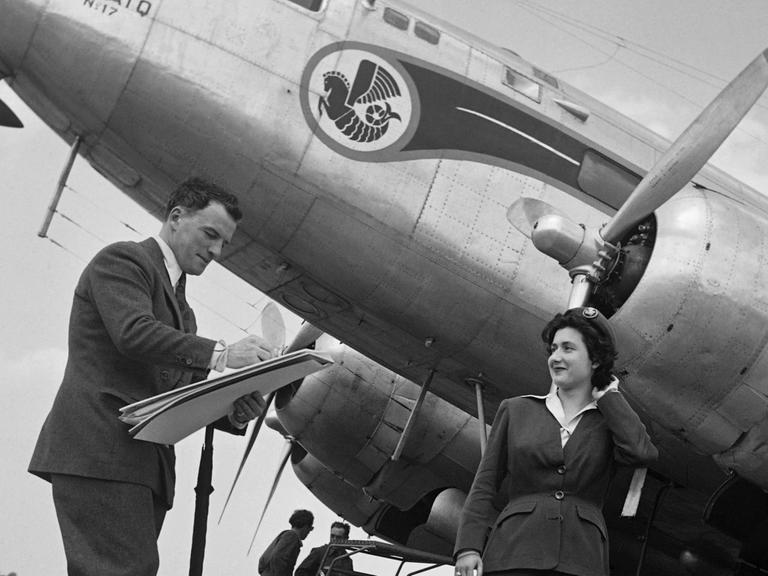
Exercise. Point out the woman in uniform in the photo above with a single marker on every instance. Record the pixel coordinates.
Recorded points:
(555, 455)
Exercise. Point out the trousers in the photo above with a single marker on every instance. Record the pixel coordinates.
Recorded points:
(108, 528)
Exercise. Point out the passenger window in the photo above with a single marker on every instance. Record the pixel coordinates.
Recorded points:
(313, 5)
(548, 78)
(396, 19)
(426, 32)
(521, 84)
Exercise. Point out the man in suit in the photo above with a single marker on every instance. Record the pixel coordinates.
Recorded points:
(132, 336)
(310, 564)
(280, 556)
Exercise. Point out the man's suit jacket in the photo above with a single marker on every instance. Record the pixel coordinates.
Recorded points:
(553, 515)
(127, 342)
(280, 556)
(311, 563)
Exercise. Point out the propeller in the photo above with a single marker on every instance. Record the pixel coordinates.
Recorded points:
(692, 149)
(8, 118)
(273, 326)
(273, 331)
(283, 461)
(587, 254)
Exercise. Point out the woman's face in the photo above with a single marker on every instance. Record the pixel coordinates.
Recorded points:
(569, 363)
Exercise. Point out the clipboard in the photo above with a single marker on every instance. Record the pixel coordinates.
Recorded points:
(171, 416)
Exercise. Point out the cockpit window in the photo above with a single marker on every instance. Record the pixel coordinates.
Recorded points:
(396, 19)
(313, 5)
(520, 83)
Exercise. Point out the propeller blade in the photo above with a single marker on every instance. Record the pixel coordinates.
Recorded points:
(306, 337)
(283, 462)
(273, 330)
(251, 441)
(8, 118)
(692, 149)
(272, 326)
(525, 212)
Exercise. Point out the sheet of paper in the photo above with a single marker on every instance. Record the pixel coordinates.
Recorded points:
(171, 416)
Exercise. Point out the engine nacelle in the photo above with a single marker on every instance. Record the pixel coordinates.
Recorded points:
(351, 415)
(703, 299)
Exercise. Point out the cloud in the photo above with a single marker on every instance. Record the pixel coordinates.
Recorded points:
(742, 155)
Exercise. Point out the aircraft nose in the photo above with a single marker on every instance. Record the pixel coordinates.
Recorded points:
(18, 20)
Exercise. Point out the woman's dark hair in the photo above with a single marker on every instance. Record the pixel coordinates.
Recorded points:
(600, 345)
(301, 518)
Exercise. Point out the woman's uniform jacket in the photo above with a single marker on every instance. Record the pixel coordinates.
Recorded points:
(553, 519)
(128, 340)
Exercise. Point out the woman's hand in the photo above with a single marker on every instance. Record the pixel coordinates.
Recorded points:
(467, 562)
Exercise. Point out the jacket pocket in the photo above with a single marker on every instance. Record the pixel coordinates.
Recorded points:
(509, 533)
(517, 507)
(594, 517)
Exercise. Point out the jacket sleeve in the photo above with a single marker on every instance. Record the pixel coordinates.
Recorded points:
(121, 285)
(479, 513)
(311, 563)
(632, 444)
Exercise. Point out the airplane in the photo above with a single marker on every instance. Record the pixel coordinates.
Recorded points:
(412, 191)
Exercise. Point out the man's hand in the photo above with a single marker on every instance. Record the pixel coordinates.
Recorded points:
(246, 408)
(249, 350)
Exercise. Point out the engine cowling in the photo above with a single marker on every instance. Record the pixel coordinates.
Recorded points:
(695, 330)
(351, 415)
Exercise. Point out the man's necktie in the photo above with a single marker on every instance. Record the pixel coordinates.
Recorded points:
(181, 299)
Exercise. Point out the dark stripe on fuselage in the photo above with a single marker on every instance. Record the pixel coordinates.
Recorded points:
(455, 116)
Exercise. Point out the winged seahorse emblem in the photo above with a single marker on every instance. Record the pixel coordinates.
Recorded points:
(373, 86)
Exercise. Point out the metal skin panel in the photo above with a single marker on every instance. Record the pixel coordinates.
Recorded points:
(346, 500)
(16, 29)
(701, 300)
(93, 69)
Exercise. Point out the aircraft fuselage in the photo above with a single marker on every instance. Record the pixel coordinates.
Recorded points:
(375, 151)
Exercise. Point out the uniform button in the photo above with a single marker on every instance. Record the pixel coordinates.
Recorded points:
(559, 495)
(189, 361)
(561, 470)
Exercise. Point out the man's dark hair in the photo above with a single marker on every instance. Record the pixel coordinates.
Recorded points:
(600, 346)
(196, 193)
(301, 518)
(344, 526)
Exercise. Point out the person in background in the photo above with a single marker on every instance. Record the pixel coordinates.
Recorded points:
(555, 456)
(310, 564)
(132, 335)
(280, 556)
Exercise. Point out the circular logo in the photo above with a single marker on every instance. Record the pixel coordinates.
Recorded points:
(589, 313)
(360, 101)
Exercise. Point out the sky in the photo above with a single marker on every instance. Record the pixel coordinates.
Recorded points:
(656, 61)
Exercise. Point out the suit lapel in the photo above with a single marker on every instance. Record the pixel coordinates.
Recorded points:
(156, 256)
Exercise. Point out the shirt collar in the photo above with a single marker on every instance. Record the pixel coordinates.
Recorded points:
(169, 259)
(555, 406)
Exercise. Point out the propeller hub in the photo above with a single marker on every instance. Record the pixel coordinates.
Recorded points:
(571, 244)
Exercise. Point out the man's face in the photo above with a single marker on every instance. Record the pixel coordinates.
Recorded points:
(305, 530)
(338, 534)
(197, 237)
